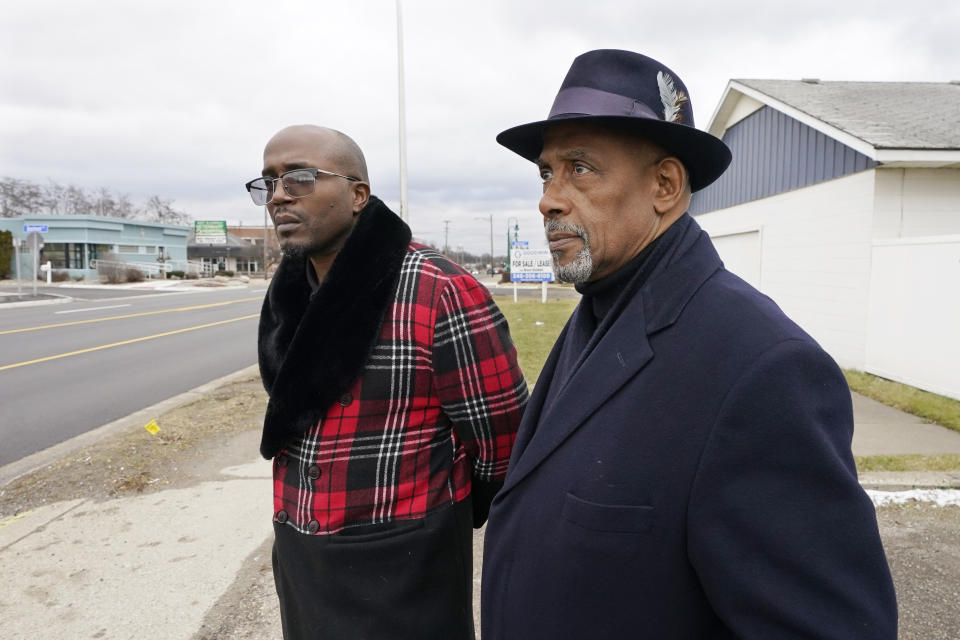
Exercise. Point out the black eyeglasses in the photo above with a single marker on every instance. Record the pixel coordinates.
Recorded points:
(297, 183)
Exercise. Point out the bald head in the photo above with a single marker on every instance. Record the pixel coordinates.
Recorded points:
(339, 149)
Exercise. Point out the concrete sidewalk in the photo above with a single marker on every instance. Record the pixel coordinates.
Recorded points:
(882, 430)
(160, 565)
(146, 566)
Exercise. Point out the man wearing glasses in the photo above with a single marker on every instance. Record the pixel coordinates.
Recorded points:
(394, 400)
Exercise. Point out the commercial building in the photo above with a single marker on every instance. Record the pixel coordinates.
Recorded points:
(74, 243)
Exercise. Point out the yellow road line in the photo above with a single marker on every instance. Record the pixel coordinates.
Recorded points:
(131, 341)
(129, 315)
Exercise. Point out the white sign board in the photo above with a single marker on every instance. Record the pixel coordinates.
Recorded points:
(530, 265)
(210, 231)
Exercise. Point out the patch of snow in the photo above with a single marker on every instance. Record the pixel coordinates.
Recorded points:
(939, 497)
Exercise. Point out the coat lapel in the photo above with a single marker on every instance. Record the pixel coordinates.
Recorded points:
(616, 358)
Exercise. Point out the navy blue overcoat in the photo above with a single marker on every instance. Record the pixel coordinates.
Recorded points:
(692, 479)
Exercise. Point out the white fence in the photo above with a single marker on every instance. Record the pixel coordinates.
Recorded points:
(913, 327)
(153, 269)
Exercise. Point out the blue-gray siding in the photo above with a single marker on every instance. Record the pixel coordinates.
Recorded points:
(773, 153)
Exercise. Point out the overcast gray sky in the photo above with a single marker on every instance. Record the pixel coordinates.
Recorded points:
(177, 98)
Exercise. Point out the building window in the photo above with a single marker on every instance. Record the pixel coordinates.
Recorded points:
(98, 251)
(246, 266)
(75, 256)
(128, 248)
(150, 250)
(55, 253)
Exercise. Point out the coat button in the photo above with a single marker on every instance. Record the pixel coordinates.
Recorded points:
(313, 472)
(313, 526)
(283, 460)
(346, 399)
(282, 516)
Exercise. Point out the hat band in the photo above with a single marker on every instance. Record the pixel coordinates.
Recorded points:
(594, 102)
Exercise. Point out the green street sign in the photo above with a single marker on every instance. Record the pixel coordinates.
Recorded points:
(210, 231)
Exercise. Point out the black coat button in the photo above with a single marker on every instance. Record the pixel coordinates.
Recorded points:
(313, 472)
(282, 516)
(283, 460)
(313, 526)
(346, 399)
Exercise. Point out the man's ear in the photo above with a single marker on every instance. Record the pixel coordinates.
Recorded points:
(672, 190)
(361, 194)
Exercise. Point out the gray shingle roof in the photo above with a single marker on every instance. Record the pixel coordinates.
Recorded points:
(888, 115)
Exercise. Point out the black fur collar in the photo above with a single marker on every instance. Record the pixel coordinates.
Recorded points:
(311, 351)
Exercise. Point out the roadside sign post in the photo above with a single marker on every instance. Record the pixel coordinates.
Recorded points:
(33, 232)
(36, 262)
(530, 265)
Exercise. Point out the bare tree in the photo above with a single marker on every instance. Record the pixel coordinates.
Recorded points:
(158, 209)
(23, 197)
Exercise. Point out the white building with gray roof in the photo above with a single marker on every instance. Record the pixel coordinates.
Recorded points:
(843, 205)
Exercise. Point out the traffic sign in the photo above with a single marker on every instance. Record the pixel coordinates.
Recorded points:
(35, 228)
(35, 240)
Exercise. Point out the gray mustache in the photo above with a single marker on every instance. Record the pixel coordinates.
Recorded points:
(556, 225)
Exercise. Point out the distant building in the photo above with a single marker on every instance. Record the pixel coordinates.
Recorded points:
(74, 243)
(843, 205)
(242, 253)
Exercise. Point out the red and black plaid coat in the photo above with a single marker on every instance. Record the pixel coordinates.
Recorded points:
(433, 408)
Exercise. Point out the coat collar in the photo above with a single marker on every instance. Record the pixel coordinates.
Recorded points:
(619, 354)
(311, 349)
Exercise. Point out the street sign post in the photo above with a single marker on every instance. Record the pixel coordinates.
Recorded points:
(530, 265)
(35, 240)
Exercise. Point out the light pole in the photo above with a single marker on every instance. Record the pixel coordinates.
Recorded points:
(516, 236)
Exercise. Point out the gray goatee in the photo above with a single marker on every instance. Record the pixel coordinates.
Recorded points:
(580, 268)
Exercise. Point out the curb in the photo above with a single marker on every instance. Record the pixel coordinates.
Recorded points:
(906, 480)
(54, 299)
(34, 461)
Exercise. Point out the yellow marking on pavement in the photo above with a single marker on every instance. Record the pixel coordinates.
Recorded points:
(129, 315)
(19, 516)
(123, 342)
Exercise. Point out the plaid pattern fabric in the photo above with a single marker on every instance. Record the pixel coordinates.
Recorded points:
(439, 402)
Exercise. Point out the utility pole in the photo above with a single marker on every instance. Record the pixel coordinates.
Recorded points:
(404, 214)
(491, 240)
(264, 242)
(446, 237)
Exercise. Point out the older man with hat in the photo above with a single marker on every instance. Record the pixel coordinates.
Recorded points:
(683, 468)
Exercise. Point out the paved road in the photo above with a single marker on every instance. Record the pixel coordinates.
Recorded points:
(81, 293)
(69, 368)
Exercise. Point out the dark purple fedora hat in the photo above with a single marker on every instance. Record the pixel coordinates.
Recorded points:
(628, 90)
